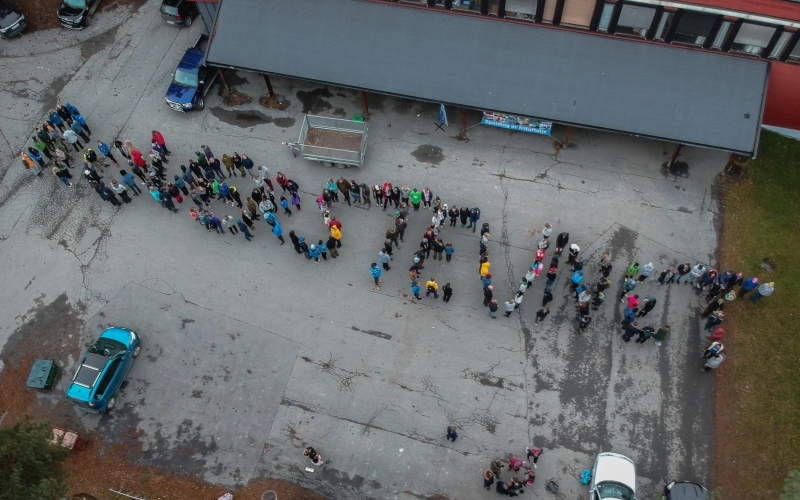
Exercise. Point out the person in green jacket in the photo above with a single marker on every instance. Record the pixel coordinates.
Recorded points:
(42, 146)
(633, 270)
(415, 196)
(661, 334)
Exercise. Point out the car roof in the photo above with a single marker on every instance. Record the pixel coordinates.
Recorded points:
(616, 468)
(90, 369)
(117, 333)
(171, 3)
(686, 490)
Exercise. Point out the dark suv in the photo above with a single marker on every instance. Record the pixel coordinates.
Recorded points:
(685, 490)
(73, 13)
(12, 23)
(178, 12)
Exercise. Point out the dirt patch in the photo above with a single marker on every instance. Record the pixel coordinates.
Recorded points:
(232, 97)
(53, 331)
(277, 101)
(334, 140)
(428, 154)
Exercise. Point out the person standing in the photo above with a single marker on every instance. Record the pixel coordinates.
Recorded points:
(488, 480)
(296, 200)
(29, 164)
(661, 335)
(106, 151)
(487, 295)
(712, 350)
(683, 270)
(714, 319)
(230, 223)
(393, 236)
(336, 234)
(415, 197)
(630, 330)
(431, 287)
(63, 174)
(493, 306)
(447, 291)
(438, 248)
(159, 138)
(244, 229)
(375, 272)
(312, 454)
(76, 127)
(561, 242)
(385, 258)
(714, 305)
(712, 362)
(764, 290)
(644, 334)
(534, 453)
(474, 216)
(453, 214)
(647, 306)
(415, 288)
(295, 241)
(748, 286)
(331, 244)
(427, 197)
(452, 435)
(121, 190)
(633, 270)
(541, 314)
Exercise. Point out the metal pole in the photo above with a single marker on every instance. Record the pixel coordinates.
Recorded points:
(366, 105)
(222, 77)
(566, 139)
(269, 85)
(729, 164)
(463, 120)
(674, 155)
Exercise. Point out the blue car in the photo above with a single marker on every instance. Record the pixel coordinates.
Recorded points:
(103, 369)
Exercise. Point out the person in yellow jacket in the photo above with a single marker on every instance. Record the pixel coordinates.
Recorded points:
(485, 268)
(431, 287)
(336, 234)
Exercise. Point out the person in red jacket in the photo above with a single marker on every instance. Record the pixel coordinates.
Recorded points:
(160, 140)
(136, 156)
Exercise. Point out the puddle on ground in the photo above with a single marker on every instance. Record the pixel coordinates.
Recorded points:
(428, 154)
(678, 169)
(769, 265)
(313, 102)
(245, 119)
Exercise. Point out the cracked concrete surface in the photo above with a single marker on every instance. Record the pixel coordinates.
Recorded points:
(372, 378)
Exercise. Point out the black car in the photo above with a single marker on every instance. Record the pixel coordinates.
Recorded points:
(685, 490)
(178, 12)
(73, 13)
(12, 23)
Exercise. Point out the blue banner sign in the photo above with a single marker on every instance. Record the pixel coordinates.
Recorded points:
(443, 116)
(513, 122)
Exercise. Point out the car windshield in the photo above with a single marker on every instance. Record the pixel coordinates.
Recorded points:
(614, 490)
(78, 4)
(107, 347)
(169, 9)
(185, 78)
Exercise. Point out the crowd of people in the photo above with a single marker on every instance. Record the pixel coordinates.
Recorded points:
(203, 181)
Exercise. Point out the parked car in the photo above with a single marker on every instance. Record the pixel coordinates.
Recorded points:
(191, 80)
(73, 13)
(178, 12)
(685, 490)
(613, 476)
(12, 23)
(103, 369)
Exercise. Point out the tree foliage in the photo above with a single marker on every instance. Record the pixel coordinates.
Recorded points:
(32, 468)
(791, 486)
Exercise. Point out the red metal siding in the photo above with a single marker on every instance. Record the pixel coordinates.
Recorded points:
(783, 96)
(782, 9)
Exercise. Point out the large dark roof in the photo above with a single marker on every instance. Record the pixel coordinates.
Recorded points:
(587, 80)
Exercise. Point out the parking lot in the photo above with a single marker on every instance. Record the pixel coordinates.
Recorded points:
(252, 353)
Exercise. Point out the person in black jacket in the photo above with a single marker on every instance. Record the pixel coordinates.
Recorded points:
(561, 242)
(464, 215)
(548, 296)
(453, 214)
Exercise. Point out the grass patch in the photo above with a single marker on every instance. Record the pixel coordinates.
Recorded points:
(757, 404)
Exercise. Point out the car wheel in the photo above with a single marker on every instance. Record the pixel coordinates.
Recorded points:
(111, 403)
(201, 104)
(136, 351)
(188, 22)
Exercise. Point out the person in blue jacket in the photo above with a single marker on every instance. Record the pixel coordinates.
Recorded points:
(277, 230)
(55, 120)
(375, 272)
(36, 156)
(103, 148)
(474, 215)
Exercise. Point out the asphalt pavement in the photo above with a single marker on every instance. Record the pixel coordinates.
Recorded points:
(299, 354)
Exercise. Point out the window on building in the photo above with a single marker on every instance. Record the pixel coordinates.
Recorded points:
(549, 11)
(752, 39)
(494, 7)
(469, 5)
(693, 28)
(794, 55)
(722, 34)
(521, 9)
(635, 20)
(663, 25)
(780, 46)
(578, 13)
(605, 18)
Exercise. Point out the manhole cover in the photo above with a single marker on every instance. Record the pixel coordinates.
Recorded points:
(269, 495)
(769, 265)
